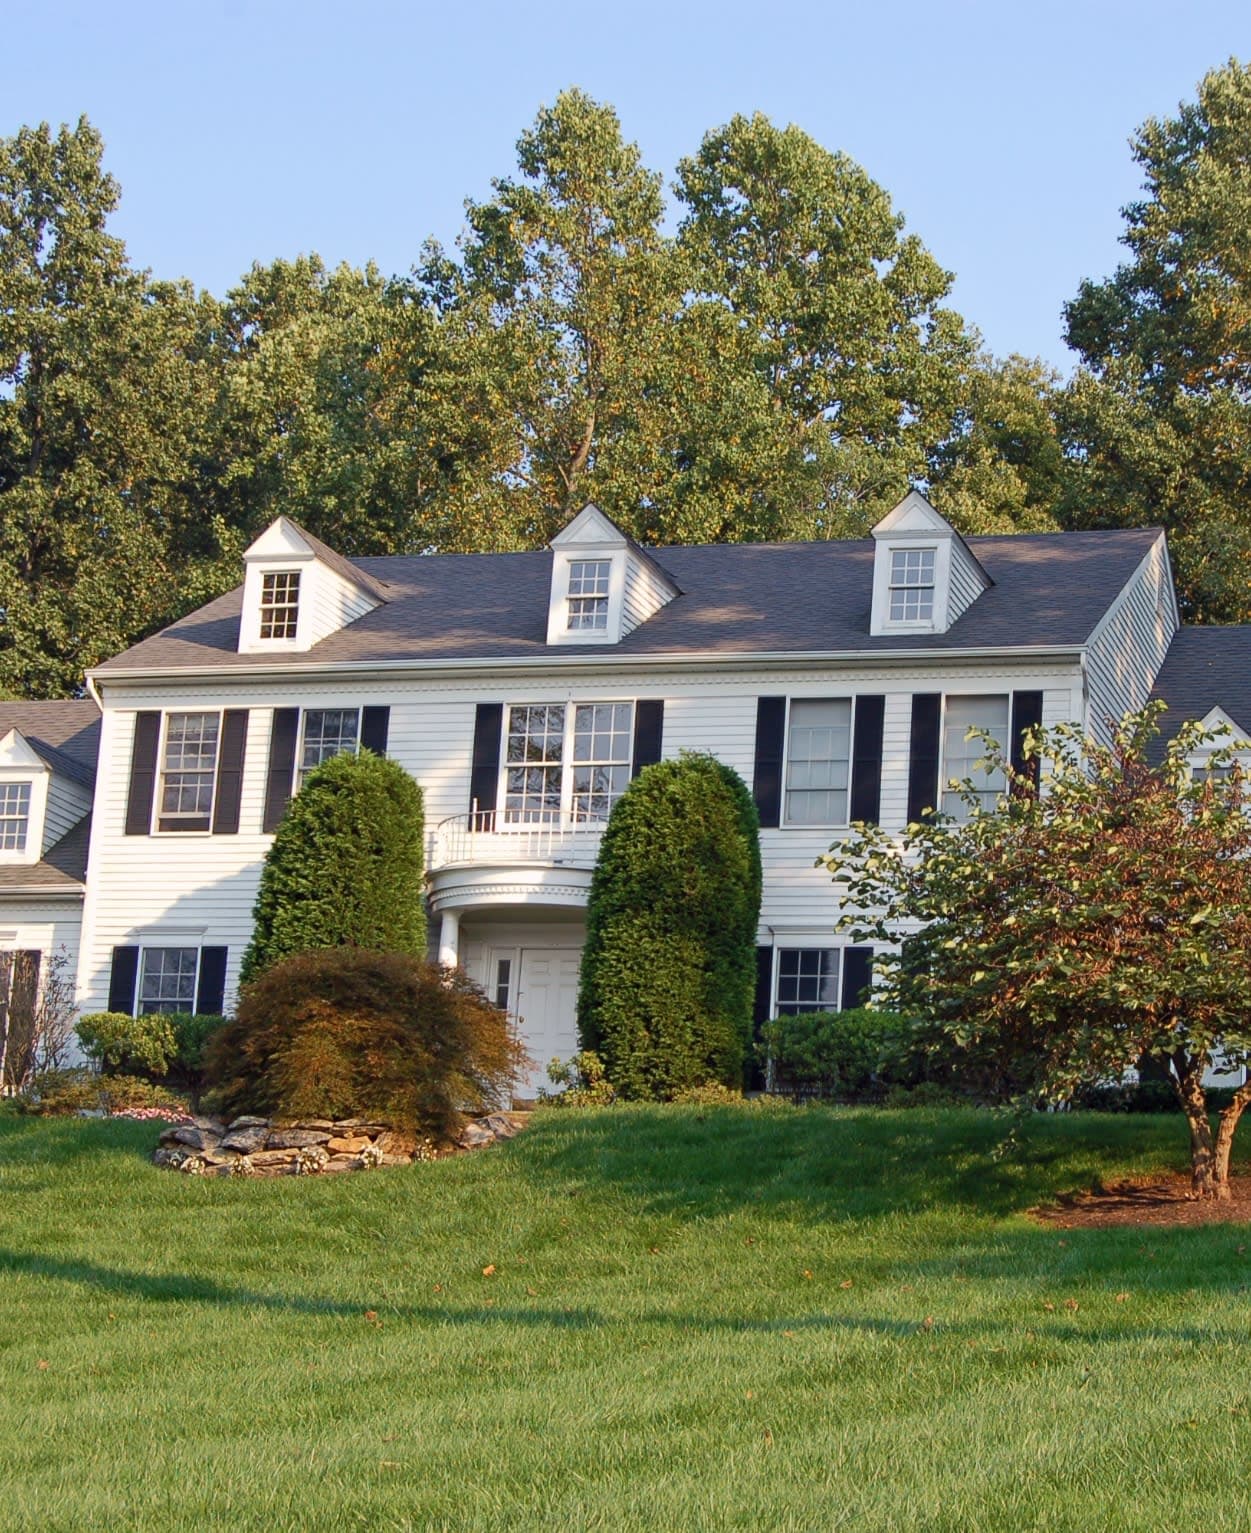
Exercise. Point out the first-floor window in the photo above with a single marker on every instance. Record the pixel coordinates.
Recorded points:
(961, 756)
(808, 979)
(14, 816)
(167, 979)
(566, 760)
(326, 732)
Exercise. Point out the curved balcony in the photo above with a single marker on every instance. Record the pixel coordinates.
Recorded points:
(487, 838)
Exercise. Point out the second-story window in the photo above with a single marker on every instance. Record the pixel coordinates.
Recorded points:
(588, 594)
(188, 769)
(962, 755)
(566, 760)
(818, 761)
(912, 585)
(280, 604)
(326, 732)
(14, 816)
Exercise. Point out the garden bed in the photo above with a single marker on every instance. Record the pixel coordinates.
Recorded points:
(1159, 1200)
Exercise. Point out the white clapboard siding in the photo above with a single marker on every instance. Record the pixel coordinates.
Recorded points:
(51, 928)
(1128, 648)
(336, 603)
(67, 803)
(646, 592)
(968, 580)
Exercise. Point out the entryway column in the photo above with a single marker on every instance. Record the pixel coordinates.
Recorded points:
(449, 939)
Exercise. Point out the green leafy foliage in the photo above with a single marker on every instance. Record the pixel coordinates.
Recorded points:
(352, 1032)
(1067, 934)
(116, 1041)
(853, 1054)
(54, 1093)
(583, 1081)
(668, 969)
(346, 866)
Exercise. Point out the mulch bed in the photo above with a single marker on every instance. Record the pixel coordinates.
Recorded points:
(1159, 1200)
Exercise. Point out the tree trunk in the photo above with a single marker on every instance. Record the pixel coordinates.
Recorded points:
(1226, 1125)
(1188, 1084)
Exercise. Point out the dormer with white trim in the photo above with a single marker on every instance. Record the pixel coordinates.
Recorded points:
(1228, 736)
(924, 573)
(38, 803)
(296, 592)
(603, 584)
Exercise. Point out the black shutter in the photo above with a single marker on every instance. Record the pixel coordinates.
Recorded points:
(767, 777)
(122, 980)
(857, 976)
(649, 728)
(374, 725)
(211, 990)
(230, 772)
(866, 760)
(22, 970)
(142, 774)
(281, 774)
(761, 1008)
(485, 775)
(1026, 714)
(923, 750)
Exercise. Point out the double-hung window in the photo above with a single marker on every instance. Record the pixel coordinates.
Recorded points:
(566, 761)
(808, 979)
(14, 816)
(326, 732)
(188, 771)
(588, 594)
(912, 585)
(818, 761)
(280, 604)
(964, 758)
(167, 979)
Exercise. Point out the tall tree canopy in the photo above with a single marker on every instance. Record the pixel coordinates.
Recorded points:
(1159, 421)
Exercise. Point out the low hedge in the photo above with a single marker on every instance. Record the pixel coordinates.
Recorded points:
(858, 1054)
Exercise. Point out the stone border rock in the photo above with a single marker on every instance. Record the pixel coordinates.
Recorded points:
(250, 1146)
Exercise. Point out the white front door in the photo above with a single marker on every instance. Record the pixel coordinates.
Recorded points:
(546, 1010)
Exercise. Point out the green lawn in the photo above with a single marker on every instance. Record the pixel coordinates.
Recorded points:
(758, 1318)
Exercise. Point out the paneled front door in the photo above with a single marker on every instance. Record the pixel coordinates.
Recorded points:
(546, 1009)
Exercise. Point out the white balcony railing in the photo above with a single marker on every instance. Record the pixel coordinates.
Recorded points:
(489, 836)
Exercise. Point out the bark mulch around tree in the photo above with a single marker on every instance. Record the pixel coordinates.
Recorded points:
(1159, 1200)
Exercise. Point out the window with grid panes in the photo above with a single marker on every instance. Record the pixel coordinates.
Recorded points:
(588, 594)
(965, 758)
(818, 761)
(280, 604)
(911, 585)
(602, 747)
(326, 732)
(167, 979)
(566, 759)
(188, 769)
(14, 816)
(808, 979)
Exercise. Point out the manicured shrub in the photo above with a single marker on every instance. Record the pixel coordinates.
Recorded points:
(58, 1092)
(116, 1041)
(346, 866)
(668, 970)
(851, 1054)
(582, 1077)
(351, 1032)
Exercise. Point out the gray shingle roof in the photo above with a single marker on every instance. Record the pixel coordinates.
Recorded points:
(775, 598)
(1205, 668)
(64, 867)
(66, 734)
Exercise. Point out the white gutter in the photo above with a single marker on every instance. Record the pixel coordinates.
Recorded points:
(548, 664)
(42, 892)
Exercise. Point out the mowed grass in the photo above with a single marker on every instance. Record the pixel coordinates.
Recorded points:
(734, 1317)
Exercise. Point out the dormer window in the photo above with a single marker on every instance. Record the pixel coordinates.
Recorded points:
(14, 816)
(588, 594)
(912, 585)
(280, 604)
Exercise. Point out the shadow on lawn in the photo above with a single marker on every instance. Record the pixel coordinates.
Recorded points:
(833, 1164)
(183, 1289)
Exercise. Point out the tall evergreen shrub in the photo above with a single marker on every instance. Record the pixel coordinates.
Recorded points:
(668, 971)
(346, 866)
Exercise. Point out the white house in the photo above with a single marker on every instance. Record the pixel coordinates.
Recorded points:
(522, 691)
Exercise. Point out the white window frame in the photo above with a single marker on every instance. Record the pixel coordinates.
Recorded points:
(169, 946)
(816, 697)
(944, 776)
(159, 790)
(921, 620)
(19, 853)
(263, 607)
(602, 597)
(804, 942)
(300, 770)
(567, 764)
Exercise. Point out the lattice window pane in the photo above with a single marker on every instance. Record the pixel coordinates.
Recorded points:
(808, 979)
(168, 979)
(327, 732)
(588, 593)
(911, 585)
(818, 761)
(534, 756)
(602, 751)
(14, 816)
(961, 757)
(188, 767)
(280, 604)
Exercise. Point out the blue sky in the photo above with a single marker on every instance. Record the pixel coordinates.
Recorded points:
(243, 132)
